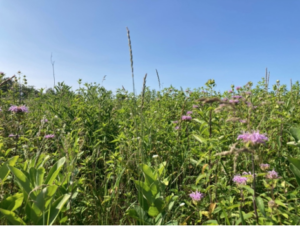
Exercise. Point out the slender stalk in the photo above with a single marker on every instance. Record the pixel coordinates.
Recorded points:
(131, 58)
(254, 178)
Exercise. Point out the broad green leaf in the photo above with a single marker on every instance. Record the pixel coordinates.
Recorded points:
(295, 131)
(201, 139)
(211, 222)
(37, 176)
(150, 176)
(12, 217)
(153, 211)
(55, 170)
(242, 217)
(260, 205)
(57, 206)
(12, 202)
(159, 204)
(4, 171)
(22, 180)
(45, 196)
(295, 168)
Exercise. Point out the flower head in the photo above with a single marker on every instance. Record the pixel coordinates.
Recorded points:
(264, 166)
(230, 91)
(196, 196)
(243, 121)
(272, 175)
(44, 120)
(233, 101)
(238, 88)
(175, 122)
(195, 106)
(240, 180)
(186, 118)
(177, 127)
(18, 109)
(254, 137)
(237, 97)
(189, 113)
(49, 136)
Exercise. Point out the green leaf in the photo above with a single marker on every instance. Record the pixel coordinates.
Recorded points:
(249, 189)
(295, 168)
(295, 131)
(12, 202)
(22, 180)
(12, 217)
(37, 176)
(4, 171)
(242, 217)
(201, 139)
(153, 211)
(54, 171)
(211, 222)
(260, 205)
(57, 206)
(150, 176)
(45, 196)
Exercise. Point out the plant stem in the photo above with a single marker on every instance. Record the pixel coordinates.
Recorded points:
(254, 203)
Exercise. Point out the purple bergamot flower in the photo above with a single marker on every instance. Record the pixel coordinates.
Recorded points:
(255, 137)
(186, 118)
(49, 136)
(18, 109)
(238, 88)
(272, 175)
(196, 196)
(264, 166)
(189, 113)
(240, 180)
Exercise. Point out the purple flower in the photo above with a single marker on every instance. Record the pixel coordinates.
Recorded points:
(225, 99)
(186, 118)
(49, 136)
(254, 137)
(44, 120)
(195, 106)
(11, 135)
(177, 127)
(18, 109)
(0, 109)
(233, 101)
(272, 175)
(189, 113)
(264, 166)
(230, 91)
(196, 196)
(175, 122)
(240, 180)
(237, 97)
(243, 121)
(238, 88)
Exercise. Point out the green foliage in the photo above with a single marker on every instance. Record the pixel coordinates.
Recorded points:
(121, 159)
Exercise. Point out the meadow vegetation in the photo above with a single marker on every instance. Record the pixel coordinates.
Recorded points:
(163, 157)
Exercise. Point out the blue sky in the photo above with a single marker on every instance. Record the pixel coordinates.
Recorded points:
(187, 41)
